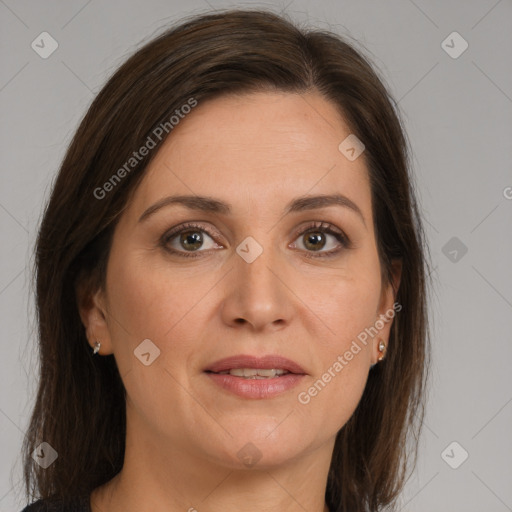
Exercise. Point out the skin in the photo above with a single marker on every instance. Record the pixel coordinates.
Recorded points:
(256, 152)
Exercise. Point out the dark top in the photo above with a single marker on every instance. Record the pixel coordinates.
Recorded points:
(79, 504)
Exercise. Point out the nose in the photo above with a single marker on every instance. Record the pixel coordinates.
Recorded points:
(257, 294)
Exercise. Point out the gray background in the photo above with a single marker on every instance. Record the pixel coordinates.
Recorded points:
(458, 115)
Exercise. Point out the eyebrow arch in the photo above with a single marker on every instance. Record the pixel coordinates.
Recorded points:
(211, 205)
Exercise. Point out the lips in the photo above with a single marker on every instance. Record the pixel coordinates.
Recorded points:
(270, 362)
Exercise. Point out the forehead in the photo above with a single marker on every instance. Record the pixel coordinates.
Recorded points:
(261, 149)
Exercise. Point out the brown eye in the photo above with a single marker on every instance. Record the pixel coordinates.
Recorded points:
(188, 239)
(315, 238)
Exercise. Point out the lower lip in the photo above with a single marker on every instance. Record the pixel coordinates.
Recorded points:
(256, 388)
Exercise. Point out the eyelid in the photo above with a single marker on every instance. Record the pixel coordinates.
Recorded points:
(323, 227)
(188, 225)
(344, 243)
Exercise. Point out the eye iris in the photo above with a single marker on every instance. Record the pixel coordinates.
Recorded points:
(195, 238)
(312, 237)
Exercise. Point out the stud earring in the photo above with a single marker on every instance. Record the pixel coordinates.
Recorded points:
(97, 346)
(382, 350)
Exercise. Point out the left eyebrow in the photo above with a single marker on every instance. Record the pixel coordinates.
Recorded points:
(315, 202)
(211, 205)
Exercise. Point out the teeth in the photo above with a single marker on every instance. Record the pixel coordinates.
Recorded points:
(253, 373)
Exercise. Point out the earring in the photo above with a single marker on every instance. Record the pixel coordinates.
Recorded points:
(97, 346)
(382, 350)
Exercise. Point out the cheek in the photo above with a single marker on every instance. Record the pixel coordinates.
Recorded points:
(349, 309)
(147, 298)
(347, 305)
(137, 302)
(146, 303)
(332, 394)
(331, 399)
(143, 305)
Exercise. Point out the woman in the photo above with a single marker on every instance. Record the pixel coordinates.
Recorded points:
(231, 283)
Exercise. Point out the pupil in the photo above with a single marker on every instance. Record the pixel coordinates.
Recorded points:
(312, 239)
(195, 238)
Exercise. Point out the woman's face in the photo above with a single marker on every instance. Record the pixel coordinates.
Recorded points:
(256, 276)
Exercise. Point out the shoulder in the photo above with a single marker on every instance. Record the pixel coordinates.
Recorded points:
(42, 505)
(37, 506)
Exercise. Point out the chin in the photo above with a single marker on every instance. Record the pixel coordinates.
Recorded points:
(265, 444)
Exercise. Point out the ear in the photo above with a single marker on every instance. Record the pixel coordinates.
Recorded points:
(92, 308)
(387, 308)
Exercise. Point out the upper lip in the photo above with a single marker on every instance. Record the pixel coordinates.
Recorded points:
(246, 361)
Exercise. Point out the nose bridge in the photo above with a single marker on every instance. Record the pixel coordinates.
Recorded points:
(257, 275)
(258, 295)
(257, 265)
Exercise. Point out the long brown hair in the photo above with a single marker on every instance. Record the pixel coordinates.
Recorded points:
(80, 404)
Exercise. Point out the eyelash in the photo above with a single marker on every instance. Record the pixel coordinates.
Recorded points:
(314, 226)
